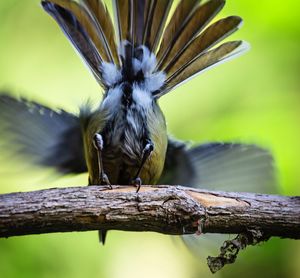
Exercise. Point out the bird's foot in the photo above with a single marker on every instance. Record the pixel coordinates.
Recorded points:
(137, 182)
(105, 181)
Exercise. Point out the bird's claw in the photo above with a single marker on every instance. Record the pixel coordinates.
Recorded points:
(105, 181)
(137, 182)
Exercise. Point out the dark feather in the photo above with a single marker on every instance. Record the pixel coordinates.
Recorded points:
(156, 20)
(140, 13)
(182, 14)
(102, 20)
(178, 168)
(77, 35)
(188, 30)
(123, 11)
(102, 236)
(203, 62)
(220, 166)
(41, 135)
(87, 23)
(210, 37)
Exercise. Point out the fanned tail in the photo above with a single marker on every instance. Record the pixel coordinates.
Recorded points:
(186, 51)
(88, 26)
(160, 58)
(203, 62)
(179, 19)
(210, 37)
(123, 12)
(139, 23)
(156, 21)
(101, 18)
(77, 35)
(175, 41)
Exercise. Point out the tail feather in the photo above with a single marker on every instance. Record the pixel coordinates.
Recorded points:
(88, 24)
(210, 37)
(141, 10)
(102, 236)
(183, 49)
(77, 35)
(124, 14)
(189, 29)
(181, 15)
(205, 61)
(101, 17)
(157, 17)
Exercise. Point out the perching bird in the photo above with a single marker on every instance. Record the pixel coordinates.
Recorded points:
(144, 55)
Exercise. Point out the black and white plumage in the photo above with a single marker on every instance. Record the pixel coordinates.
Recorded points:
(136, 60)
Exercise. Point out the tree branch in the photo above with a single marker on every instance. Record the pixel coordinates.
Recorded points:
(173, 210)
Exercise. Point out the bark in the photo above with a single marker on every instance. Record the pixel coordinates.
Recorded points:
(173, 210)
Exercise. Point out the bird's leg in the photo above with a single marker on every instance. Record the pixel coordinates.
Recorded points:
(98, 144)
(145, 155)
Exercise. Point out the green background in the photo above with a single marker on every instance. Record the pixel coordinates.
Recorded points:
(252, 99)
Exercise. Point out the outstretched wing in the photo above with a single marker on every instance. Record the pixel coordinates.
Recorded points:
(220, 166)
(40, 135)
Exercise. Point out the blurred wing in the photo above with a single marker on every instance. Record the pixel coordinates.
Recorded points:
(44, 136)
(220, 166)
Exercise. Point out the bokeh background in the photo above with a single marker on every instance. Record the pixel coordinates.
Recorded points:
(255, 99)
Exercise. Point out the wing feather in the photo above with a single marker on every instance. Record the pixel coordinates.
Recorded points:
(220, 166)
(45, 137)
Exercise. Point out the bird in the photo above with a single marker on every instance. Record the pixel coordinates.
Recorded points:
(147, 50)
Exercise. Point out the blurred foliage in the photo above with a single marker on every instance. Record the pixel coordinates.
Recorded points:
(252, 99)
